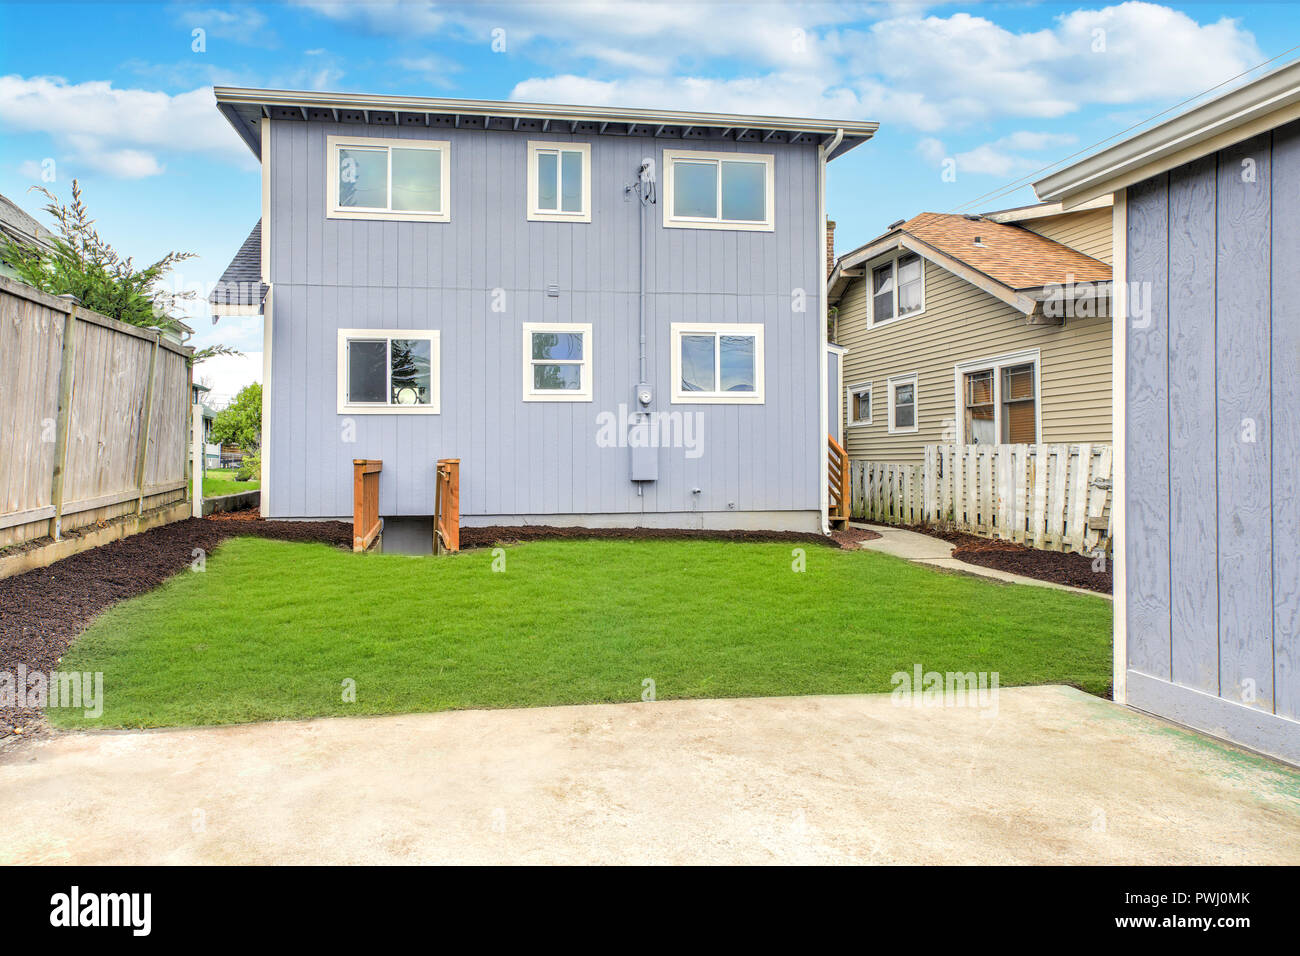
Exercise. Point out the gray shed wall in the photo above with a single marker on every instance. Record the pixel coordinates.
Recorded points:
(1213, 444)
(533, 459)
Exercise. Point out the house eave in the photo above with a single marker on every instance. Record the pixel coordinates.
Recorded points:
(243, 108)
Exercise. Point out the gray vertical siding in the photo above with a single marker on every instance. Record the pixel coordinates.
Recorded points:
(1213, 426)
(536, 458)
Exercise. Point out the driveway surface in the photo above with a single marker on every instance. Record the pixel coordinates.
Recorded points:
(1050, 775)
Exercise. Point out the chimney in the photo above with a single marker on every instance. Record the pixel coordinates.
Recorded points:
(830, 246)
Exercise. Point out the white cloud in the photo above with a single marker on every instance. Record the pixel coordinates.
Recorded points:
(434, 70)
(1001, 157)
(118, 131)
(243, 23)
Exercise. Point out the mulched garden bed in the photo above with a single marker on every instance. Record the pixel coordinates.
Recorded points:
(42, 610)
(1074, 570)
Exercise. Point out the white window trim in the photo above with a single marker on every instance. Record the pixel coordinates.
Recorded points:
(912, 378)
(681, 397)
(684, 222)
(848, 403)
(892, 261)
(435, 372)
(536, 214)
(334, 211)
(582, 394)
(996, 364)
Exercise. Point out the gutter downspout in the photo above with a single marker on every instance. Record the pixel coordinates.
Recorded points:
(823, 418)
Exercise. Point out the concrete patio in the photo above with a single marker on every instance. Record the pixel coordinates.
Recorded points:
(1048, 775)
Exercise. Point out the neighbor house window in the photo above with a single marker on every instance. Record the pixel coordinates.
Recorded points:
(902, 404)
(897, 288)
(718, 190)
(559, 181)
(717, 364)
(998, 399)
(557, 362)
(859, 401)
(388, 371)
(370, 178)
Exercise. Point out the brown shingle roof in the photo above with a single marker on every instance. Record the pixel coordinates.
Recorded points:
(1013, 256)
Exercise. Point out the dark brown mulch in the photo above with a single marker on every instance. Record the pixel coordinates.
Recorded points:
(849, 538)
(498, 534)
(1074, 570)
(42, 610)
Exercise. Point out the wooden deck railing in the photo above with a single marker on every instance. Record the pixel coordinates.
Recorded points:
(366, 523)
(837, 476)
(446, 515)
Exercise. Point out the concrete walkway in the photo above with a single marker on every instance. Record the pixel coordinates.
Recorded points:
(924, 549)
(1049, 775)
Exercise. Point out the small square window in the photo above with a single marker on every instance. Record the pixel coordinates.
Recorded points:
(859, 404)
(388, 371)
(717, 364)
(557, 362)
(559, 182)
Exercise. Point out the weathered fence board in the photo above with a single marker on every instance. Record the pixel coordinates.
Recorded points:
(85, 433)
(1055, 497)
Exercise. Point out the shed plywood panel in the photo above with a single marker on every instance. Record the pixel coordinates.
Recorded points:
(1147, 540)
(1285, 371)
(1244, 424)
(1193, 488)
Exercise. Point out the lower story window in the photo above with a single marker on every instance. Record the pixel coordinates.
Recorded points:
(902, 404)
(388, 371)
(557, 362)
(717, 364)
(998, 400)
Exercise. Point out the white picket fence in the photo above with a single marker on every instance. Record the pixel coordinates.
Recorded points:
(1055, 497)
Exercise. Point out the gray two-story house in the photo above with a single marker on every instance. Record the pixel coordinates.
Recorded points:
(611, 317)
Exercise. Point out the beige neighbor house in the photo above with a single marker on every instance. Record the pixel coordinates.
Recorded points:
(991, 329)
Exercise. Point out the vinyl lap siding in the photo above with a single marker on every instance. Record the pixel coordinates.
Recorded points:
(960, 323)
(1089, 231)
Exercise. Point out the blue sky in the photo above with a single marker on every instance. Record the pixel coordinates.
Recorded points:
(118, 95)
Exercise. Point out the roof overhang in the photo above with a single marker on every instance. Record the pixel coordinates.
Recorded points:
(245, 108)
(1270, 101)
(1030, 301)
(1045, 210)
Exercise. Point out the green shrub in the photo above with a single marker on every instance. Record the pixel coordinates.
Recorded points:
(251, 469)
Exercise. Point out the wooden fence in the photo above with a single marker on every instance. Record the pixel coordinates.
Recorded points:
(94, 417)
(1055, 497)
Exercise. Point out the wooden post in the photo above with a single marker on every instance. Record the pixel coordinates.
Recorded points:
(66, 374)
(449, 501)
(146, 419)
(196, 456)
(365, 502)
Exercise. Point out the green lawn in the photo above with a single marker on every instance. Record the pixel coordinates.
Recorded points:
(272, 630)
(221, 481)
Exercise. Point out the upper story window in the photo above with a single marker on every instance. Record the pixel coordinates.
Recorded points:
(372, 178)
(559, 181)
(717, 363)
(718, 190)
(388, 370)
(897, 288)
(557, 362)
